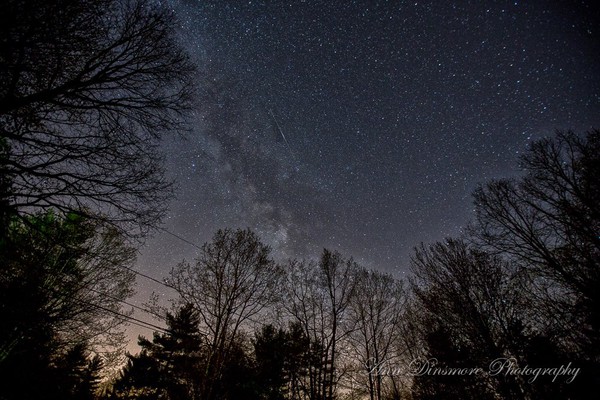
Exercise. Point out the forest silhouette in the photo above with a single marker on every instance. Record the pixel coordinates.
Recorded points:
(508, 310)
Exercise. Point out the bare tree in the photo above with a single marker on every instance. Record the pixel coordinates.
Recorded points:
(306, 306)
(319, 297)
(87, 88)
(549, 221)
(472, 301)
(230, 284)
(376, 310)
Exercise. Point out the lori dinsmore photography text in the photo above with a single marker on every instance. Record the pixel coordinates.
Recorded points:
(499, 366)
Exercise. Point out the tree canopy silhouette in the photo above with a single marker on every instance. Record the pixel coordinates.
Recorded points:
(87, 88)
(549, 222)
(231, 283)
(62, 282)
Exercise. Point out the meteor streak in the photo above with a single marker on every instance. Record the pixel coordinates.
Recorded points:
(279, 129)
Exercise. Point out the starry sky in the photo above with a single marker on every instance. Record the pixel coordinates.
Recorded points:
(364, 126)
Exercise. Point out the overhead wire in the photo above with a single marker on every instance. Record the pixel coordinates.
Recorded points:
(129, 304)
(181, 238)
(135, 321)
(132, 320)
(129, 318)
(147, 277)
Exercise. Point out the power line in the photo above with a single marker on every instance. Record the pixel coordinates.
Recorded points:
(146, 276)
(151, 328)
(130, 319)
(123, 317)
(181, 238)
(56, 242)
(127, 303)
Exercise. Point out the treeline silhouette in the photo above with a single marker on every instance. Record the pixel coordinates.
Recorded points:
(87, 88)
(514, 299)
(509, 310)
(520, 286)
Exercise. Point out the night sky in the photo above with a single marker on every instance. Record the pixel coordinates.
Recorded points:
(364, 126)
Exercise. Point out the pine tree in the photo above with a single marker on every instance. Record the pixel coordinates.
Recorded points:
(169, 365)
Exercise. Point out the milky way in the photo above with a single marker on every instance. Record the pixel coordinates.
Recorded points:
(364, 126)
